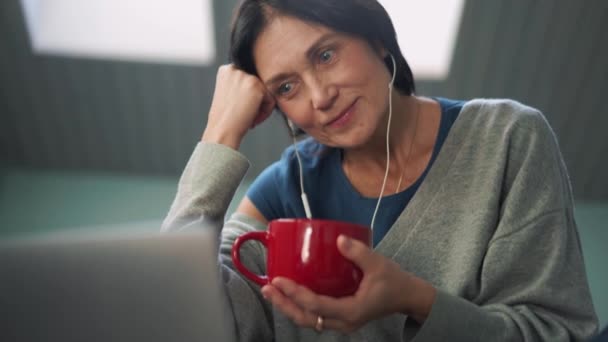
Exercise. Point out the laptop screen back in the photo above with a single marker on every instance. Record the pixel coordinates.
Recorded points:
(137, 288)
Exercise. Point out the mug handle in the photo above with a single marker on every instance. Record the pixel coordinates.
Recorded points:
(236, 255)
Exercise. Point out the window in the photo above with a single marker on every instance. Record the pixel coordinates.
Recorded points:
(427, 32)
(175, 31)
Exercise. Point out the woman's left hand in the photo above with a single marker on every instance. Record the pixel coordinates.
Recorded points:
(385, 289)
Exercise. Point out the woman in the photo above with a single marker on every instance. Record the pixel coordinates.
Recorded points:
(474, 238)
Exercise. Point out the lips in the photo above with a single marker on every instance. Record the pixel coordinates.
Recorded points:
(343, 117)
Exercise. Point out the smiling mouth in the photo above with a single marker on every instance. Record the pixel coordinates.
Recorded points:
(343, 117)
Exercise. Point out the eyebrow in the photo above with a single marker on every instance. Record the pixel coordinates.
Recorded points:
(309, 55)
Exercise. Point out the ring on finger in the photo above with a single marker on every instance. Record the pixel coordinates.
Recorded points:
(319, 324)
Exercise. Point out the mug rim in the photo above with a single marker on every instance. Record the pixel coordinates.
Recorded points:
(300, 219)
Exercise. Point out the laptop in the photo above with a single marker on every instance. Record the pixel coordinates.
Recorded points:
(140, 287)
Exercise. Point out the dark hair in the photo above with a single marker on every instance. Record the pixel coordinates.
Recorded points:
(366, 19)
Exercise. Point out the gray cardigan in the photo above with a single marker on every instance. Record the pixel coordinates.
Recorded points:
(491, 227)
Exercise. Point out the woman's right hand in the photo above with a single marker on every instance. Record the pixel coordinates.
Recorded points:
(240, 102)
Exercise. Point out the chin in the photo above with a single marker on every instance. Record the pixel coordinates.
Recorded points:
(353, 138)
(348, 142)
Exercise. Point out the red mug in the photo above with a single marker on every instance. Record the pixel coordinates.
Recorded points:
(305, 251)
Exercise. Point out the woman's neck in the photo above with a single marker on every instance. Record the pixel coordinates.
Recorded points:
(406, 112)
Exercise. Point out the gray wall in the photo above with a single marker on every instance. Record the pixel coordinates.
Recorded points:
(66, 113)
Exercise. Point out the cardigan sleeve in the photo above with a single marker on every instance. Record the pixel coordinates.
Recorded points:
(205, 190)
(532, 279)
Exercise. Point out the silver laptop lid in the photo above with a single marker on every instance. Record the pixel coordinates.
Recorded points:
(136, 288)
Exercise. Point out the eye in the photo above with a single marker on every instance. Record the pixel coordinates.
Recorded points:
(284, 88)
(326, 56)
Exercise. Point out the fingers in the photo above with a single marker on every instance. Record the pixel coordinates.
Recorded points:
(304, 297)
(303, 306)
(301, 316)
(312, 302)
(240, 101)
(268, 102)
(377, 295)
(266, 107)
(288, 307)
(339, 325)
(357, 252)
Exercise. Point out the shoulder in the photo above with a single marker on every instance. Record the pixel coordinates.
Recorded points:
(503, 132)
(504, 117)
(502, 111)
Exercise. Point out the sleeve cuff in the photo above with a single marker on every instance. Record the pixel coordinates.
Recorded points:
(455, 319)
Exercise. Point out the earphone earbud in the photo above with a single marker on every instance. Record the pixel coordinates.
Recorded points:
(390, 85)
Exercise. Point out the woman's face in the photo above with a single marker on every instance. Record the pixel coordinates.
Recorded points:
(331, 85)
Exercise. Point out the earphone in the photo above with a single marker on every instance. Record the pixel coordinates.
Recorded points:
(292, 130)
(388, 130)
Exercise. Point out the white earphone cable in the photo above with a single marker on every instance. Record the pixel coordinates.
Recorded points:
(303, 194)
(388, 130)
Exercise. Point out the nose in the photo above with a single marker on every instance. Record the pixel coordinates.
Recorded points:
(323, 94)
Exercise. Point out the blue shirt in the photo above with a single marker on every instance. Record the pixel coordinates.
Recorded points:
(276, 192)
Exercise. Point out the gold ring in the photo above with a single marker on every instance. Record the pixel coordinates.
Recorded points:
(319, 325)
